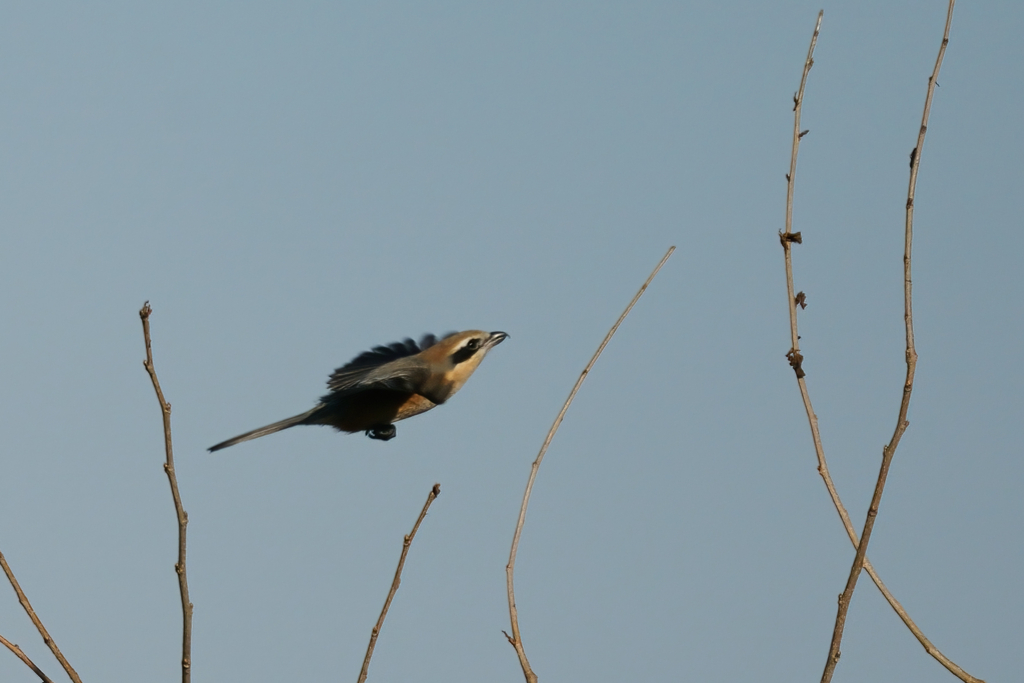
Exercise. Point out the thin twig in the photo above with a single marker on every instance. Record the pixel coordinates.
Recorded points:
(788, 237)
(516, 639)
(23, 599)
(179, 567)
(796, 359)
(24, 657)
(407, 541)
(908, 384)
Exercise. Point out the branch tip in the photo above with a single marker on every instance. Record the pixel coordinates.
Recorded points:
(396, 582)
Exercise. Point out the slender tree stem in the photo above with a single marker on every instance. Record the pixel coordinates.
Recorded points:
(27, 606)
(908, 385)
(406, 543)
(23, 657)
(516, 639)
(179, 567)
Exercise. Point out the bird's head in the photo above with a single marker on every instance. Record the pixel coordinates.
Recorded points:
(458, 355)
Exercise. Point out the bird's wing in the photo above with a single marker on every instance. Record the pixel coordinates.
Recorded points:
(394, 367)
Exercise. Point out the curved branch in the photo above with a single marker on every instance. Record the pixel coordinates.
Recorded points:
(516, 639)
(908, 385)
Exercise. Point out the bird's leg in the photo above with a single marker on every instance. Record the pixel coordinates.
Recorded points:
(384, 432)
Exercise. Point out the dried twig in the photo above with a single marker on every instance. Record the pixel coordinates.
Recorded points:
(179, 567)
(23, 657)
(434, 493)
(796, 359)
(908, 384)
(516, 639)
(23, 599)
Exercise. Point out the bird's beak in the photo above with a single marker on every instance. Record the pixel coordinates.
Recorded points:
(495, 339)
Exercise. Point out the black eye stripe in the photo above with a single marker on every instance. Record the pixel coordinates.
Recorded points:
(466, 352)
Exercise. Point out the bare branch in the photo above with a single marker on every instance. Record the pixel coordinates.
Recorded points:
(911, 357)
(789, 237)
(23, 599)
(796, 361)
(434, 493)
(23, 657)
(516, 639)
(179, 567)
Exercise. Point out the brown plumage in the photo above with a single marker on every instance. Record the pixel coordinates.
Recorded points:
(390, 383)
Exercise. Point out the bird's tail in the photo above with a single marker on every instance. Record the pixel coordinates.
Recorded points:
(263, 431)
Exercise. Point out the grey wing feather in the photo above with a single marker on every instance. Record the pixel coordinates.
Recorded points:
(403, 374)
(386, 367)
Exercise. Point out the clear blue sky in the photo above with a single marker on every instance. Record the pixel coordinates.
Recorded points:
(292, 183)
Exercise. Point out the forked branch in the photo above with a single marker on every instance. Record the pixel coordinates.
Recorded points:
(516, 639)
(179, 567)
(406, 543)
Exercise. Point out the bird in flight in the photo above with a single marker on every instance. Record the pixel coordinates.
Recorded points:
(390, 383)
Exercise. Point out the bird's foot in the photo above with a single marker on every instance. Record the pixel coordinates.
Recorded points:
(382, 432)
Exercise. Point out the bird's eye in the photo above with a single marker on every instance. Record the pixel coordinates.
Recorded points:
(473, 344)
